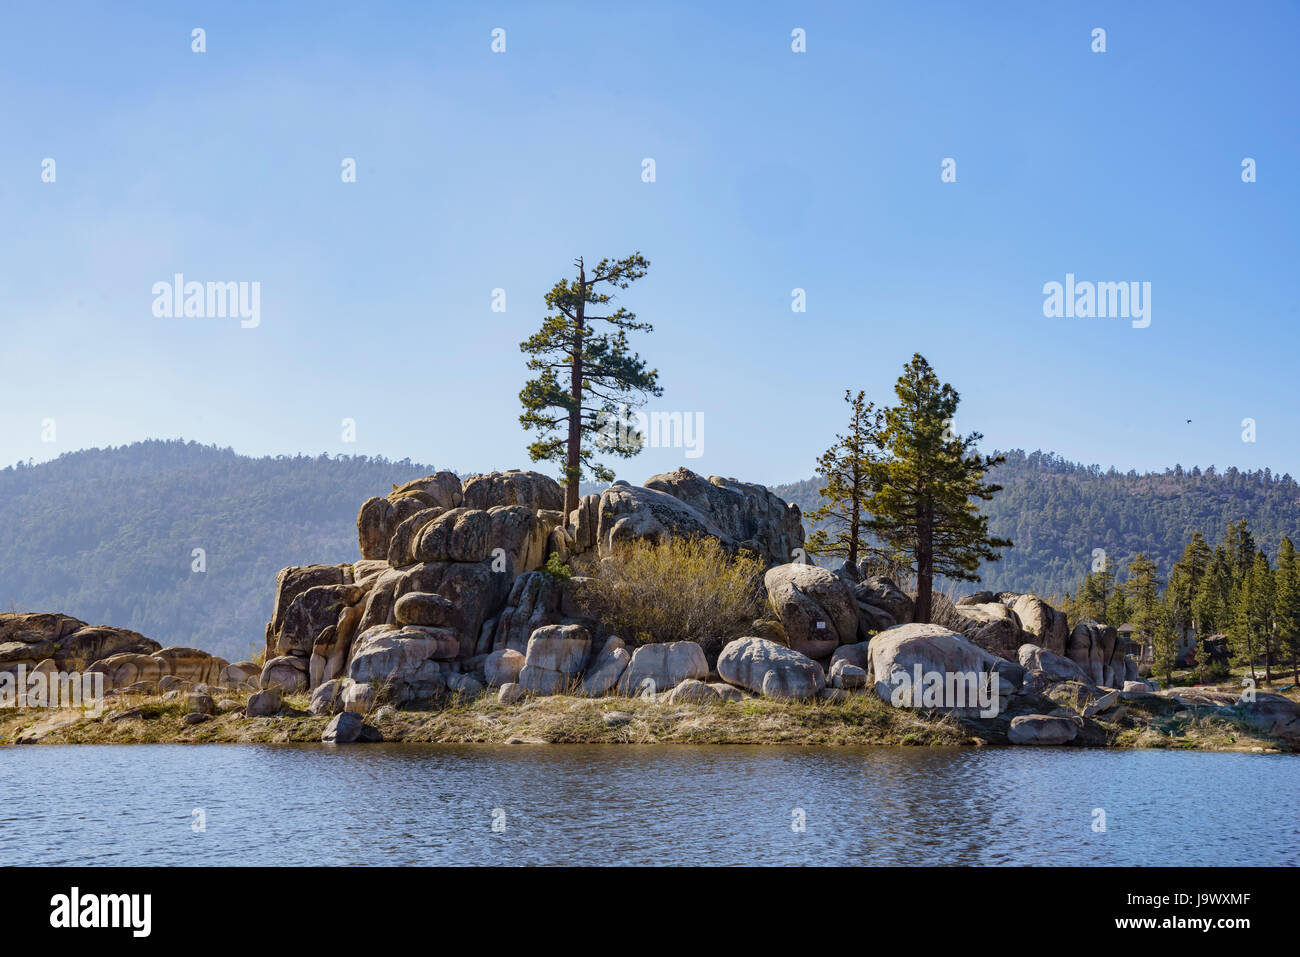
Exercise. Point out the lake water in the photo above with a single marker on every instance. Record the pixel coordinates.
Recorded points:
(436, 804)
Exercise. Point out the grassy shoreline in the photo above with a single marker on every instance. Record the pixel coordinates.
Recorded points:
(857, 720)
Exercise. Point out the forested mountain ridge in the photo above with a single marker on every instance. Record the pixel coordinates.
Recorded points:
(1057, 512)
(108, 535)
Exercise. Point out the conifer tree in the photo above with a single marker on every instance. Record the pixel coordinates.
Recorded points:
(925, 492)
(587, 380)
(1286, 605)
(1212, 607)
(1142, 595)
(846, 469)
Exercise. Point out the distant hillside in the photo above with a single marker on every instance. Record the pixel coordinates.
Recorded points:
(107, 535)
(1057, 512)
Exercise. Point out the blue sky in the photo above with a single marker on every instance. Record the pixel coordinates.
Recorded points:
(774, 170)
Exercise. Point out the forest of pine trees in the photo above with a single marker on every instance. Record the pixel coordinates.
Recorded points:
(1231, 590)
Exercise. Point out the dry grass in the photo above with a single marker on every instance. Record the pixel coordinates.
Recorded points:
(563, 719)
(681, 590)
(559, 719)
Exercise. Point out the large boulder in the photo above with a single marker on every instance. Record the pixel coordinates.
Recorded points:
(843, 674)
(606, 668)
(872, 620)
(373, 527)
(264, 704)
(287, 673)
(471, 590)
(911, 661)
(583, 522)
(1273, 714)
(401, 548)
(994, 627)
(1043, 622)
(532, 490)
(533, 602)
(440, 490)
(816, 607)
(240, 674)
(344, 728)
(311, 612)
(502, 667)
(30, 638)
(1092, 646)
(1048, 667)
(1042, 729)
(405, 660)
(750, 515)
(881, 592)
(521, 533)
(457, 535)
(632, 513)
(127, 669)
(555, 658)
(858, 655)
(289, 584)
(326, 698)
(192, 664)
(659, 667)
(764, 667)
(423, 608)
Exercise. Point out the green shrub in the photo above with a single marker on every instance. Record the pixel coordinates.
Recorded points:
(556, 569)
(680, 590)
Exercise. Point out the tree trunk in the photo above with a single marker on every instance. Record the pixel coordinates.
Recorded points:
(573, 450)
(924, 574)
(922, 611)
(924, 590)
(855, 523)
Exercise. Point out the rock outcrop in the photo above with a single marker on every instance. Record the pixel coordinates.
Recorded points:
(769, 669)
(930, 666)
(749, 515)
(31, 638)
(450, 580)
(53, 643)
(817, 608)
(661, 667)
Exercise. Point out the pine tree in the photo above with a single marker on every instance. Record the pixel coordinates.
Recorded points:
(1262, 610)
(1240, 546)
(1117, 612)
(1184, 583)
(846, 469)
(1142, 595)
(1252, 608)
(1212, 607)
(587, 380)
(1164, 648)
(922, 493)
(1096, 594)
(1286, 605)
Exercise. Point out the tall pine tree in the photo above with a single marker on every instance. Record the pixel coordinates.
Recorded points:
(587, 380)
(846, 469)
(925, 493)
(1286, 605)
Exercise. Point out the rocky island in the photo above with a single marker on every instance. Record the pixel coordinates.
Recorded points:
(476, 614)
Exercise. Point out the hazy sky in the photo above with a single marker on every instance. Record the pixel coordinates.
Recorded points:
(775, 170)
